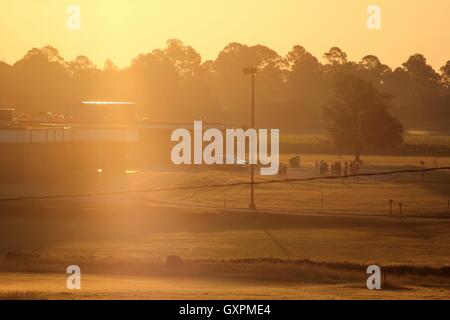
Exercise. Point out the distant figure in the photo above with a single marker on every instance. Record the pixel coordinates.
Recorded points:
(422, 164)
(354, 168)
(285, 172)
(338, 168)
(280, 170)
(346, 169)
(325, 168)
(295, 162)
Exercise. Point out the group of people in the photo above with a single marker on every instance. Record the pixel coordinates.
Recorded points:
(323, 168)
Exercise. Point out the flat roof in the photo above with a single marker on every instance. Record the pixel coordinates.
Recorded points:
(108, 103)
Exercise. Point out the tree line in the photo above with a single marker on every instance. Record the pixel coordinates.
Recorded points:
(174, 83)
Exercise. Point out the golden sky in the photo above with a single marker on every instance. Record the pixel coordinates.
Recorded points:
(121, 29)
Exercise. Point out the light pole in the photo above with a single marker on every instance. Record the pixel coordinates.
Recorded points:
(252, 71)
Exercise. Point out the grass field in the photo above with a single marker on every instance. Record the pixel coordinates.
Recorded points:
(416, 137)
(293, 247)
(416, 143)
(101, 287)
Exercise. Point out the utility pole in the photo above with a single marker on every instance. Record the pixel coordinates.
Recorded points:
(252, 71)
(321, 202)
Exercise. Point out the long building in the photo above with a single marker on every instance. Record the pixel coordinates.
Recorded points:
(98, 137)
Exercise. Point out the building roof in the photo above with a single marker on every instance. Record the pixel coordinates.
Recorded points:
(108, 103)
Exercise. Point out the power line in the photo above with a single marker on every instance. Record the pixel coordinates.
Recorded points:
(297, 180)
(226, 185)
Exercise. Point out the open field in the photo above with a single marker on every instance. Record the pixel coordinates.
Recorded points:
(133, 287)
(213, 150)
(416, 143)
(124, 257)
(417, 137)
(293, 247)
(420, 194)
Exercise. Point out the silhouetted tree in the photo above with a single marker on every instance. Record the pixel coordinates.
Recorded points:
(6, 75)
(418, 68)
(41, 81)
(418, 94)
(445, 74)
(110, 66)
(85, 78)
(234, 86)
(173, 83)
(372, 69)
(335, 56)
(359, 117)
(307, 89)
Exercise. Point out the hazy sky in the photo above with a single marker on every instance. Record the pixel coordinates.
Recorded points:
(121, 29)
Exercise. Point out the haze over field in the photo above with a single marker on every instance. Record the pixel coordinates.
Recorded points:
(126, 135)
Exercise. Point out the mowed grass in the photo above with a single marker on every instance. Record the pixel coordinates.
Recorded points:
(137, 226)
(415, 137)
(22, 295)
(332, 220)
(26, 277)
(138, 229)
(100, 287)
(420, 194)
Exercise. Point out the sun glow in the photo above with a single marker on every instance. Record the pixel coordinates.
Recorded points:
(120, 30)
